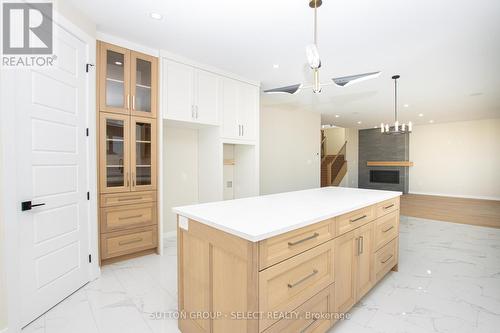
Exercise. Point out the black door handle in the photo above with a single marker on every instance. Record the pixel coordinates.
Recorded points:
(27, 205)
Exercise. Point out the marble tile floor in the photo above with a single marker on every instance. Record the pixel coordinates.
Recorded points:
(448, 281)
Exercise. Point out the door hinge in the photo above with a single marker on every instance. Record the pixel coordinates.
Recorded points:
(87, 131)
(87, 67)
(88, 195)
(90, 258)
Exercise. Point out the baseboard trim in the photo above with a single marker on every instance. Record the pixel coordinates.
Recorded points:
(463, 196)
(166, 235)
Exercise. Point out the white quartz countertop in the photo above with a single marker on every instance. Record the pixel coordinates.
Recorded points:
(262, 217)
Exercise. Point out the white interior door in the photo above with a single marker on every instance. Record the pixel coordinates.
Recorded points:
(52, 162)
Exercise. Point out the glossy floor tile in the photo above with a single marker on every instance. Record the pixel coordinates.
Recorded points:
(448, 281)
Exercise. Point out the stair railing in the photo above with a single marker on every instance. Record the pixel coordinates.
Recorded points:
(342, 152)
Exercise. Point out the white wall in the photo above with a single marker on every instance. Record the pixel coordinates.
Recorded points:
(456, 159)
(351, 178)
(335, 138)
(180, 171)
(289, 150)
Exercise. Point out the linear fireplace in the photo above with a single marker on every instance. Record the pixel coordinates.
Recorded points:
(384, 176)
(376, 146)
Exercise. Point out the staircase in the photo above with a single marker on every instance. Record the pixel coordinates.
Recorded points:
(333, 168)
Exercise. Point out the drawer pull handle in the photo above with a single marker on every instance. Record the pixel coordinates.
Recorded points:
(386, 260)
(130, 241)
(390, 228)
(359, 218)
(303, 240)
(314, 272)
(129, 217)
(305, 329)
(128, 199)
(387, 207)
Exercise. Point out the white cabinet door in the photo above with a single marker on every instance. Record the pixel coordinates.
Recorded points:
(247, 110)
(230, 124)
(206, 91)
(178, 91)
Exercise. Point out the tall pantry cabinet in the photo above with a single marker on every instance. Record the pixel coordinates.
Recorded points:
(127, 101)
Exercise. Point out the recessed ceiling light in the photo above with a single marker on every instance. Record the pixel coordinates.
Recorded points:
(336, 116)
(420, 114)
(359, 122)
(431, 121)
(119, 63)
(155, 16)
(406, 105)
(276, 66)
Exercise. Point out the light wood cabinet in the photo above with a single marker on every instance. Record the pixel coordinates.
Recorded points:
(127, 81)
(304, 320)
(365, 276)
(127, 97)
(114, 153)
(191, 94)
(354, 275)
(128, 154)
(345, 271)
(285, 286)
(269, 286)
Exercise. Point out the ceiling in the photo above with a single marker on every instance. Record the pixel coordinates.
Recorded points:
(447, 52)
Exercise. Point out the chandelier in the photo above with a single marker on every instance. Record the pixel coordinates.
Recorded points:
(398, 128)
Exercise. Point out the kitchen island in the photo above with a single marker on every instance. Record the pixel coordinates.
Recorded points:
(288, 262)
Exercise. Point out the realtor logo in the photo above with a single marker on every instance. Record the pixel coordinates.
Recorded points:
(27, 28)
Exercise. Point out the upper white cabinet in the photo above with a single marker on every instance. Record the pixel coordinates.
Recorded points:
(190, 94)
(240, 110)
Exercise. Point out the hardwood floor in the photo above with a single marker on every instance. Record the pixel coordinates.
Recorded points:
(460, 210)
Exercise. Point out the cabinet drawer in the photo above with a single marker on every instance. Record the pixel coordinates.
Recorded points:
(386, 258)
(118, 199)
(386, 229)
(127, 217)
(355, 219)
(279, 248)
(314, 316)
(387, 206)
(125, 242)
(283, 287)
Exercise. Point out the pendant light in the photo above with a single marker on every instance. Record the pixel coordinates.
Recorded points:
(397, 128)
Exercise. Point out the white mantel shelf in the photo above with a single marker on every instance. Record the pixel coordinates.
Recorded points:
(262, 217)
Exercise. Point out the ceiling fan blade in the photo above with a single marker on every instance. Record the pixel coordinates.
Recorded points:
(345, 81)
(293, 89)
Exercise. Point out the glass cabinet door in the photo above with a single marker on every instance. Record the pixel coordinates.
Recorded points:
(143, 164)
(114, 82)
(114, 153)
(143, 85)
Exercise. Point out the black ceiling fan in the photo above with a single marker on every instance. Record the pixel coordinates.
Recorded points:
(314, 62)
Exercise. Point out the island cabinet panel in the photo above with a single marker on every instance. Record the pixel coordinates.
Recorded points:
(386, 229)
(300, 281)
(365, 277)
(354, 219)
(354, 272)
(345, 272)
(218, 278)
(285, 286)
(386, 259)
(315, 315)
(387, 207)
(279, 248)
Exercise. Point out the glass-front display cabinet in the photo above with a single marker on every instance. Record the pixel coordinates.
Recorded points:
(128, 81)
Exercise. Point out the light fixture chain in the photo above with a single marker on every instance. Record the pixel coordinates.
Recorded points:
(315, 23)
(396, 100)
